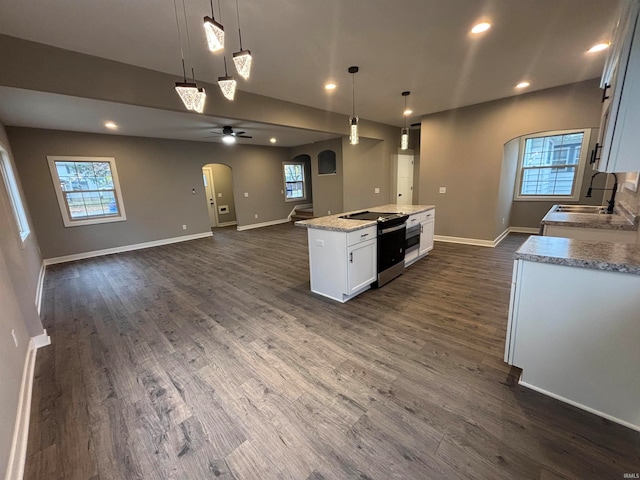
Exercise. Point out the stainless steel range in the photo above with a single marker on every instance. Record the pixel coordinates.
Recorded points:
(391, 242)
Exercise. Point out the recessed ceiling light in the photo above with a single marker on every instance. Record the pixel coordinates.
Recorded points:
(408, 111)
(598, 48)
(330, 86)
(481, 27)
(523, 85)
(273, 139)
(110, 125)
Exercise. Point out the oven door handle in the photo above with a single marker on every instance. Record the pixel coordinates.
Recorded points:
(392, 229)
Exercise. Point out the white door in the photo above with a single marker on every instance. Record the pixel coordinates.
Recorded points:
(405, 180)
(207, 178)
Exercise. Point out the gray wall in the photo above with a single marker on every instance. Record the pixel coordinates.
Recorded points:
(327, 189)
(463, 150)
(19, 268)
(223, 184)
(507, 182)
(156, 176)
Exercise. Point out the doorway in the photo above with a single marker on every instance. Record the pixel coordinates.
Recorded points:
(404, 180)
(218, 186)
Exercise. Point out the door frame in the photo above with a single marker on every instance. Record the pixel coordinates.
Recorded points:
(208, 172)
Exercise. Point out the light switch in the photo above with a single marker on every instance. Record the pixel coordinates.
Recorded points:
(376, 190)
(443, 189)
(246, 194)
(220, 195)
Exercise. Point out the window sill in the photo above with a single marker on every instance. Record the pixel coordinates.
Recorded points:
(295, 199)
(93, 221)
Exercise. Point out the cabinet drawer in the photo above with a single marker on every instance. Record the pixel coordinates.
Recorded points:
(362, 235)
(420, 217)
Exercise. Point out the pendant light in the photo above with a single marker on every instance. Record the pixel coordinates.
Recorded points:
(214, 31)
(192, 96)
(227, 83)
(242, 59)
(404, 133)
(353, 119)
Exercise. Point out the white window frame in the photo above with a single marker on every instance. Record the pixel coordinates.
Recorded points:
(66, 218)
(304, 182)
(577, 183)
(15, 198)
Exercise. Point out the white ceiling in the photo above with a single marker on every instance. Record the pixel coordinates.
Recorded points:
(419, 45)
(27, 108)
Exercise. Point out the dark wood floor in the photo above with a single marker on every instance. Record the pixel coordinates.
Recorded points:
(212, 359)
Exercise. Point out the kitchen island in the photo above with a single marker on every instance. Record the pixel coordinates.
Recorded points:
(343, 252)
(574, 324)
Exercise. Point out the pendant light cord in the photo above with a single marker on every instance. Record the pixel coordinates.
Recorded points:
(213, 17)
(353, 94)
(184, 72)
(186, 25)
(239, 30)
(405, 110)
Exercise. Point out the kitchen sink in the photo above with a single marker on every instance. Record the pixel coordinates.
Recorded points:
(591, 209)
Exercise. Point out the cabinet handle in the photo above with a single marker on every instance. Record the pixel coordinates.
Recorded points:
(594, 154)
(351, 257)
(364, 235)
(421, 228)
(604, 92)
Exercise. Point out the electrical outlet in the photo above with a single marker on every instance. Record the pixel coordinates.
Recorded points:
(15, 338)
(376, 190)
(443, 189)
(281, 192)
(328, 212)
(184, 227)
(256, 215)
(503, 221)
(220, 195)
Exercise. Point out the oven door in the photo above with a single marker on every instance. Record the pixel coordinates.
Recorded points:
(391, 246)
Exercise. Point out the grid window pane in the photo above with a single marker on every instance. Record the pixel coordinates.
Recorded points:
(294, 181)
(88, 188)
(549, 164)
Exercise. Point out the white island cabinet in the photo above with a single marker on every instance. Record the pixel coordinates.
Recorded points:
(574, 324)
(343, 253)
(342, 264)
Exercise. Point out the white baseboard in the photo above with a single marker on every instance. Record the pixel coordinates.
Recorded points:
(465, 241)
(125, 248)
(39, 286)
(263, 224)
(529, 230)
(41, 340)
(227, 224)
(580, 406)
(18, 454)
(486, 243)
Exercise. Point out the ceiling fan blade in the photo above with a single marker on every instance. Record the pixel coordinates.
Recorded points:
(244, 136)
(239, 133)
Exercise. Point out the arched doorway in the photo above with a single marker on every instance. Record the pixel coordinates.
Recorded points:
(218, 185)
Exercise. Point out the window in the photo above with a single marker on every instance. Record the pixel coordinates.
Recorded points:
(87, 189)
(294, 181)
(551, 165)
(11, 185)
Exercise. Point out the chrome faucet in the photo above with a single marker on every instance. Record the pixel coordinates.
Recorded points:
(612, 201)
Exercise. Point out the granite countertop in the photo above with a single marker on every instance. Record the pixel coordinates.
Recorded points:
(334, 222)
(608, 256)
(619, 220)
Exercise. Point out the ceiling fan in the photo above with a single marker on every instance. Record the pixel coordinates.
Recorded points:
(229, 136)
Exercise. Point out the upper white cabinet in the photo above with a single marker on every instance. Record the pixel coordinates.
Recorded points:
(619, 142)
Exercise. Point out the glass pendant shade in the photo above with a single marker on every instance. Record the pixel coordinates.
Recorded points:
(353, 132)
(189, 94)
(404, 139)
(228, 87)
(215, 34)
(201, 97)
(242, 60)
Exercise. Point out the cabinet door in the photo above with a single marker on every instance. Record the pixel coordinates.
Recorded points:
(426, 237)
(361, 265)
